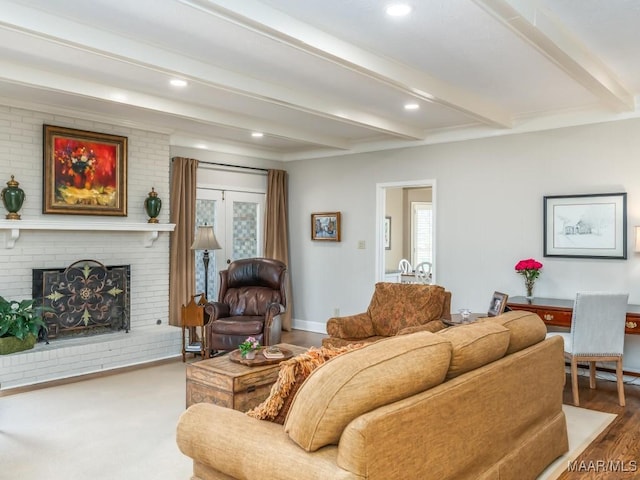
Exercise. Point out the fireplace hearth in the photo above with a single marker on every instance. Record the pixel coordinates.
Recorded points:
(85, 298)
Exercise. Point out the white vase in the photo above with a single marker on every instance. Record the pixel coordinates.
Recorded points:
(251, 355)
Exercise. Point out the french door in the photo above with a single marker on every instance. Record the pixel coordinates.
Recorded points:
(237, 223)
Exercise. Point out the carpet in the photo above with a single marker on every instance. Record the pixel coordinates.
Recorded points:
(583, 426)
(123, 427)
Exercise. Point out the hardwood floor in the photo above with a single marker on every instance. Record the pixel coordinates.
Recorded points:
(614, 455)
(618, 447)
(303, 338)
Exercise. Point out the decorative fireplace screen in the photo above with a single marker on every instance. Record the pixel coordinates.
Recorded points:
(84, 298)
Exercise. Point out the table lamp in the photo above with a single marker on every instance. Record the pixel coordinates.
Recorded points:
(205, 240)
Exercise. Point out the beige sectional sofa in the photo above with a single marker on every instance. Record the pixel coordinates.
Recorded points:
(479, 401)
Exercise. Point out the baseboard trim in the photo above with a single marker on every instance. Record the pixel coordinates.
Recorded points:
(316, 327)
(87, 376)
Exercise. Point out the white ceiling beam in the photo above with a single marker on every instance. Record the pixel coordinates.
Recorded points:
(89, 39)
(23, 75)
(541, 30)
(267, 21)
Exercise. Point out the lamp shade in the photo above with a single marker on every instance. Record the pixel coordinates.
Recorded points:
(205, 239)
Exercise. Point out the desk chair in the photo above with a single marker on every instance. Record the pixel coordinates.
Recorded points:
(193, 317)
(597, 335)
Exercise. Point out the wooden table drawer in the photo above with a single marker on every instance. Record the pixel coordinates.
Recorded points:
(555, 317)
(550, 316)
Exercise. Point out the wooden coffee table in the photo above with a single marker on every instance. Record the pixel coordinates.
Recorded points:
(230, 384)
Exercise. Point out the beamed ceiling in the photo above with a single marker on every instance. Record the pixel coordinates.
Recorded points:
(323, 77)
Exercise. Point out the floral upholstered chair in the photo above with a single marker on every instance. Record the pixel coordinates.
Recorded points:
(395, 309)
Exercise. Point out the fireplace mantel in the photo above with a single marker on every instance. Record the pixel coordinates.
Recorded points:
(151, 231)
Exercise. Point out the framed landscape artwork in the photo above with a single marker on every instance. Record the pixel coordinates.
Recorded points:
(85, 173)
(586, 226)
(325, 226)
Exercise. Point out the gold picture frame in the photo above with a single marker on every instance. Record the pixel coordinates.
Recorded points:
(85, 173)
(325, 226)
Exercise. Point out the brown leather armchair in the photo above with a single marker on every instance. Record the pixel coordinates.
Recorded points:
(250, 301)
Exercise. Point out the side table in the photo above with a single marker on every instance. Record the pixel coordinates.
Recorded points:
(229, 384)
(456, 319)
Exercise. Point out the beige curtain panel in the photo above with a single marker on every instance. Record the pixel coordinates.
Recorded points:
(182, 281)
(276, 231)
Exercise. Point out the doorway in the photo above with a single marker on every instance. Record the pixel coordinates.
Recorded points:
(405, 239)
(237, 219)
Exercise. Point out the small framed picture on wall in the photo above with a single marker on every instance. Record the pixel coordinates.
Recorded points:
(325, 226)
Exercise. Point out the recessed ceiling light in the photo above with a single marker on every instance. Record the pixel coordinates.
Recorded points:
(411, 106)
(118, 97)
(257, 134)
(178, 82)
(398, 9)
(200, 145)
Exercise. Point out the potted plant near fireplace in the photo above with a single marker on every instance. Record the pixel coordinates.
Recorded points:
(20, 323)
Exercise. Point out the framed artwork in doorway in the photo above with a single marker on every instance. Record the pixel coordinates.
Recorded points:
(387, 233)
(586, 226)
(325, 226)
(85, 173)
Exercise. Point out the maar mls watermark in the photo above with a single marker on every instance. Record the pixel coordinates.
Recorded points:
(603, 466)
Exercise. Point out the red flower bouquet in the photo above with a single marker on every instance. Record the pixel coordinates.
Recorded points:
(530, 270)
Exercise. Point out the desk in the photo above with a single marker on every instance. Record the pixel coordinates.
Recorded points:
(558, 311)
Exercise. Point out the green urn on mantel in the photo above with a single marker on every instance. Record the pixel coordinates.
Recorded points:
(153, 204)
(13, 198)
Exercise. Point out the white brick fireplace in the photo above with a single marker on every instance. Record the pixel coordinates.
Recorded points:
(54, 241)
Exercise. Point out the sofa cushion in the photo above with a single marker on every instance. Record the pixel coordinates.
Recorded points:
(526, 329)
(292, 374)
(395, 306)
(360, 381)
(475, 345)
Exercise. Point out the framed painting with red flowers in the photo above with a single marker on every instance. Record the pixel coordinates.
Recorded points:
(85, 173)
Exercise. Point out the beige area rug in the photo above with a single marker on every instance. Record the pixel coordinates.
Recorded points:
(123, 427)
(119, 427)
(583, 426)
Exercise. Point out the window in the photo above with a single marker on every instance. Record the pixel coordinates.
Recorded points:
(421, 232)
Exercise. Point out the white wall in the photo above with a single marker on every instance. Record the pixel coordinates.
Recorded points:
(489, 215)
(394, 209)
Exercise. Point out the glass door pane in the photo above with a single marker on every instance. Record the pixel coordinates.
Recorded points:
(245, 229)
(209, 211)
(237, 223)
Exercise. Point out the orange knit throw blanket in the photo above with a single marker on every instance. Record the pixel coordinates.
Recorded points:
(292, 374)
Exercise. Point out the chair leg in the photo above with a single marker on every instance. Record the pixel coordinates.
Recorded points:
(574, 381)
(620, 382)
(184, 359)
(592, 375)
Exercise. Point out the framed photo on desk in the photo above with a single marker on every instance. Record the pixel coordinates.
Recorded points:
(498, 304)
